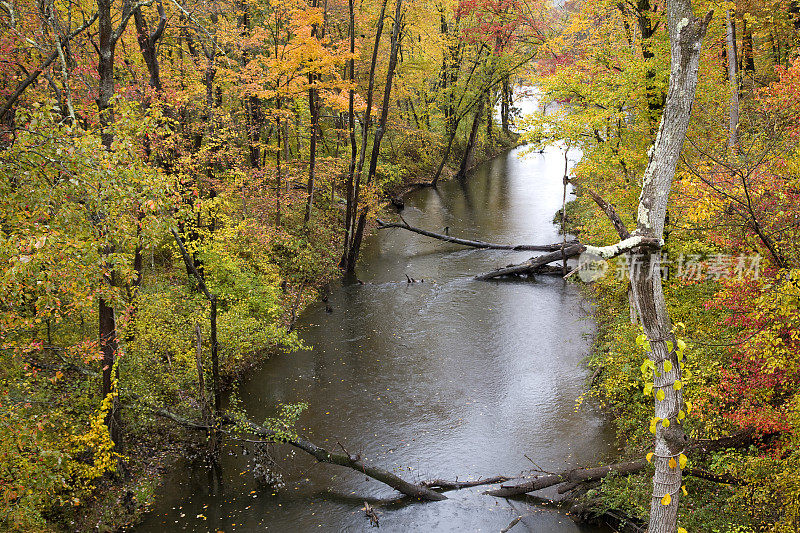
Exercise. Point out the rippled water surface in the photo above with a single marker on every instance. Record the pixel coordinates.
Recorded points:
(447, 378)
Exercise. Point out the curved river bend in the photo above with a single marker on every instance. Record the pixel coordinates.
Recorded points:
(450, 377)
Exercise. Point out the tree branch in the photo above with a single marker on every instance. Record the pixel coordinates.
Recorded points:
(419, 492)
(35, 74)
(611, 213)
(738, 440)
(470, 243)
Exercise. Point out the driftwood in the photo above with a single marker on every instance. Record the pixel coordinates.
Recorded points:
(466, 242)
(572, 478)
(371, 514)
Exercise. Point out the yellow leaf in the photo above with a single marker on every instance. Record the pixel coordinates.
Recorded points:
(681, 530)
(681, 415)
(682, 460)
(649, 457)
(666, 500)
(667, 366)
(685, 493)
(677, 385)
(660, 395)
(672, 463)
(665, 423)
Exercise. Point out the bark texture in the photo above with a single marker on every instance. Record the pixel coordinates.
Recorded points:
(686, 34)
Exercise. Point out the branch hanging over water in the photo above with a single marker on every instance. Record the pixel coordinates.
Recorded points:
(419, 492)
(466, 242)
(611, 213)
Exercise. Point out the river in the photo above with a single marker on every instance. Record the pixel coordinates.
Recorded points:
(446, 378)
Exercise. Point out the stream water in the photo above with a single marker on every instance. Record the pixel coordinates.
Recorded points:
(446, 378)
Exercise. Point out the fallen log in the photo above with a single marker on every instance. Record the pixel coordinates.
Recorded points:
(571, 478)
(532, 265)
(322, 455)
(456, 485)
(466, 242)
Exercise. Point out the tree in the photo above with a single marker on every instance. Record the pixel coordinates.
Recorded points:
(686, 34)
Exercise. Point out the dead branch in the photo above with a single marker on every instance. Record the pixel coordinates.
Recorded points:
(456, 485)
(573, 477)
(322, 455)
(532, 265)
(470, 243)
(371, 514)
(611, 213)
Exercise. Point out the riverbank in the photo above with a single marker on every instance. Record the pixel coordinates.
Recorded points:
(711, 504)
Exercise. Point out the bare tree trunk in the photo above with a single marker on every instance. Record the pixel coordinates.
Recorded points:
(733, 79)
(147, 43)
(686, 35)
(379, 131)
(191, 269)
(564, 212)
(466, 159)
(655, 95)
(748, 63)
(505, 104)
(351, 227)
(278, 164)
(351, 126)
(313, 108)
(105, 312)
(107, 41)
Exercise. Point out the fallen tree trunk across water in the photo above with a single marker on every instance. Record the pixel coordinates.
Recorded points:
(532, 265)
(535, 265)
(419, 492)
(470, 243)
(423, 491)
(571, 478)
